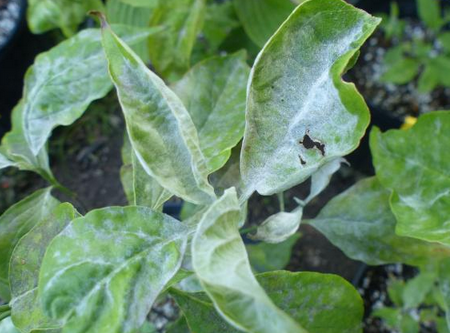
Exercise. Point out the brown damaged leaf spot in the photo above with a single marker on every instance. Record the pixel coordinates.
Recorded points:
(309, 143)
(302, 161)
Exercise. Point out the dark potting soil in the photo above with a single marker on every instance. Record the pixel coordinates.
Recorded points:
(394, 100)
(9, 15)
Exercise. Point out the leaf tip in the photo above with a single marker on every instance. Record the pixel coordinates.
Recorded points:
(101, 17)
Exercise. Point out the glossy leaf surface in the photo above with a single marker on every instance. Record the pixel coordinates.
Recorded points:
(221, 264)
(214, 93)
(321, 303)
(25, 264)
(17, 221)
(414, 165)
(360, 222)
(64, 80)
(300, 114)
(160, 129)
(104, 271)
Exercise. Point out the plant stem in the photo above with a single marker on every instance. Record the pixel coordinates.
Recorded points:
(281, 201)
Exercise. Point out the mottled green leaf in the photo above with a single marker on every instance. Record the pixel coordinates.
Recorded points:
(300, 114)
(200, 314)
(170, 51)
(360, 222)
(266, 257)
(279, 227)
(214, 93)
(221, 264)
(16, 148)
(18, 220)
(414, 165)
(261, 18)
(45, 15)
(321, 303)
(65, 80)
(7, 326)
(25, 263)
(104, 271)
(160, 129)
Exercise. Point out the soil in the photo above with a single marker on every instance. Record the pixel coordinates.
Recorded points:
(394, 100)
(9, 16)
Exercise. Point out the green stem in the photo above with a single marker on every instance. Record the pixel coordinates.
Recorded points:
(281, 201)
(4, 307)
(5, 315)
(247, 230)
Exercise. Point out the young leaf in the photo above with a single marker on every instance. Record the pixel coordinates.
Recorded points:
(25, 264)
(261, 18)
(401, 72)
(300, 114)
(279, 227)
(214, 93)
(64, 80)
(45, 15)
(360, 222)
(221, 264)
(417, 289)
(16, 148)
(266, 257)
(161, 132)
(200, 314)
(321, 303)
(170, 51)
(104, 271)
(414, 166)
(17, 221)
(430, 13)
(391, 316)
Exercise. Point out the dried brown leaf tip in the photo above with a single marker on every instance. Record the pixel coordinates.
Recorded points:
(309, 143)
(101, 17)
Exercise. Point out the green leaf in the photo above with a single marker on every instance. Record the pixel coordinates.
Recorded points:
(221, 264)
(444, 286)
(444, 40)
(360, 222)
(409, 325)
(300, 114)
(391, 316)
(430, 13)
(120, 12)
(417, 289)
(7, 326)
(201, 317)
(16, 148)
(401, 72)
(64, 80)
(443, 65)
(45, 15)
(321, 303)
(16, 222)
(214, 92)
(412, 164)
(261, 18)
(266, 257)
(142, 3)
(170, 51)
(160, 129)
(104, 271)
(5, 162)
(25, 264)
(229, 175)
(279, 227)
(395, 291)
(429, 78)
(180, 326)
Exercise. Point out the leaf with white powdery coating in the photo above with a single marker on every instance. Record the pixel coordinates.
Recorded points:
(64, 80)
(5, 162)
(300, 114)
(25, 264)
(360, 222)
(160, 129)
(220, 261)
(17, 221)
(214, 93)
(414, 164)
(105, 270)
